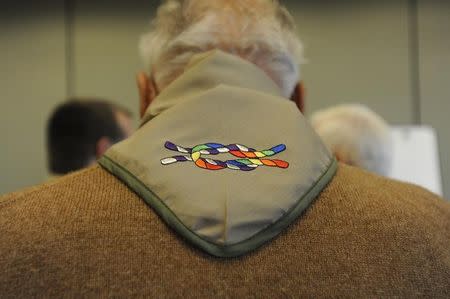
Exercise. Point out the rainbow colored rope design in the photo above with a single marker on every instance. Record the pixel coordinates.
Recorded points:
(249, 159)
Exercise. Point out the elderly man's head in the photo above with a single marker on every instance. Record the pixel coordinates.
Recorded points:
(356, 135)
(260, 31)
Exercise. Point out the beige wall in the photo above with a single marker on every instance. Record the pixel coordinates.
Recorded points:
(434, 70)
(32, 81)
(105, 53)
(358, 51)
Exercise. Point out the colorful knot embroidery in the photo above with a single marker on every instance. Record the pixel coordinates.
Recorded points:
(249, 159)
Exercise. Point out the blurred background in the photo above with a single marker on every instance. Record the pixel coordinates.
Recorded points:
(393, 56)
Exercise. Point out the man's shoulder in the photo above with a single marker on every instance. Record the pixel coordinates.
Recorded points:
(82, 182)
(357, 181)
(54, 235)
(85, 232)
(61, 204)
(369, 197)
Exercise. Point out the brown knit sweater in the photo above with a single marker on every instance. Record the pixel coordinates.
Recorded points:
(87, 235)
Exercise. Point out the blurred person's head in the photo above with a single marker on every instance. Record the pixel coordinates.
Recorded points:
(260, 31)
(81, 130)
(356, 136)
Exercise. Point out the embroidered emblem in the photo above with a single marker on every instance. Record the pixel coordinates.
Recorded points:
(249, 159)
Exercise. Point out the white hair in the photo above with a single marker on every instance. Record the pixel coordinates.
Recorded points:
(260, 31)
(356, 135)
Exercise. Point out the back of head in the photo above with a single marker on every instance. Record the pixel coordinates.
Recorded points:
(74, 129)
(356, 135)
(260, 31)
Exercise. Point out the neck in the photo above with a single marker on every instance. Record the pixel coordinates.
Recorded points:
(207, 71)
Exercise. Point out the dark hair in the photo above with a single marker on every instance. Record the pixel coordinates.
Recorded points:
(74, 129)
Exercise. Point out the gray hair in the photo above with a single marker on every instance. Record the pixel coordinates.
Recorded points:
(260, 31)
(357, 135)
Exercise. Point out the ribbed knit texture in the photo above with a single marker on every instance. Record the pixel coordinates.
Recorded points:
(87, 235)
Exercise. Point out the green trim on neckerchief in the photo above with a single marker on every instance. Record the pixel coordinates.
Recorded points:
(233, 250)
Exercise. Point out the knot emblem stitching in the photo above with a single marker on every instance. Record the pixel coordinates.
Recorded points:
(248, 158)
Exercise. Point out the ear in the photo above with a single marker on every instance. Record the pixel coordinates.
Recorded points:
(103, 144)
(147, 91)
(298, 96)
(339, 157)
(343, 158)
